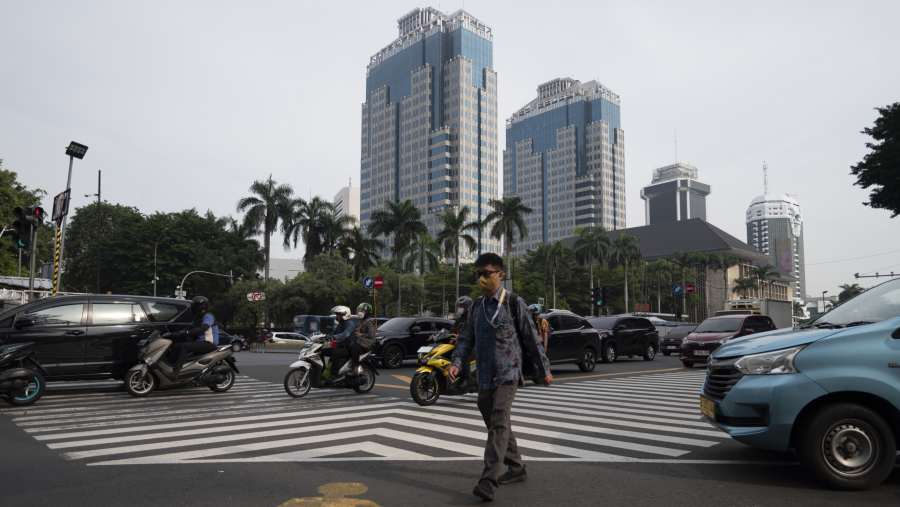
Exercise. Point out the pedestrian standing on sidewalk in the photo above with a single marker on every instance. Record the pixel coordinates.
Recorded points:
(543, 327)
(507, 349)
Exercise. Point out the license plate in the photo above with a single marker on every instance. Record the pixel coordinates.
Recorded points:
(424, 350)
(708, 407)
(672, 347)
(701, 352)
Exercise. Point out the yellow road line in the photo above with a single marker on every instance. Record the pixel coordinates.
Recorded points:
(598, 375)
(403, 378)
(392, 386)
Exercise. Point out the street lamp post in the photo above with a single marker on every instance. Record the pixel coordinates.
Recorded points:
(180, 289)
(74, 150)
(823, 300)
(99, 228)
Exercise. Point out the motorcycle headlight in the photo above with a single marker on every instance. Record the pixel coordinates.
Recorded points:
(778, 362)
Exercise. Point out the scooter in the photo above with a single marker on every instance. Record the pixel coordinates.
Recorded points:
(21, 377)
(313, 369)
(215, 370)
(432, 378)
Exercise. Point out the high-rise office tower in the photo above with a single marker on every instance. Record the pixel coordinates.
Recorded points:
(429, 122)
(674, 194)
(775, 228)
(346, 202)
(565, 158)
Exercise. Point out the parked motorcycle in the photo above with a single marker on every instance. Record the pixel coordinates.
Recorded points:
(216, 369)
(21, 377)
(432, 378)
(313, 369)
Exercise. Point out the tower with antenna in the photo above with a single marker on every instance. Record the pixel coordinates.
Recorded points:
(775, 228)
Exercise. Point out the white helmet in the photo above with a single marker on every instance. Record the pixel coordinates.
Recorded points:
(341, 311)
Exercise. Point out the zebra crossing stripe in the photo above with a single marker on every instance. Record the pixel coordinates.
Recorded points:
(538, 397)
(684, 405)
(631, 392)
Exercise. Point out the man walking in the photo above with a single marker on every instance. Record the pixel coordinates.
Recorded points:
(507, 348)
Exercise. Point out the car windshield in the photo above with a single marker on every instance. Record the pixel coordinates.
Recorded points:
(874, 305)
(603, 322)
(719, 326)
(397, 325)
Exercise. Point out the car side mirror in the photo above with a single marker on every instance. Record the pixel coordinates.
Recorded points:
(24, 322)
(896, 333)
(415, 329)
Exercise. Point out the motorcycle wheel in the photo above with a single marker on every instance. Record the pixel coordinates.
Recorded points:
(138, 384)
(424, 389)
(365, 381)
(297, 382)
(33, 392)
(225, 385)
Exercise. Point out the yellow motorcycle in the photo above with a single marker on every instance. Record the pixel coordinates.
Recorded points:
(432, 378)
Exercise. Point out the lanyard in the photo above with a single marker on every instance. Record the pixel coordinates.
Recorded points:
(497, 311)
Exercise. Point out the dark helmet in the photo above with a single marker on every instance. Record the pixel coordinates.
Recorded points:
(364, 308)
(199, 305)
(463, 306)
(535, 309)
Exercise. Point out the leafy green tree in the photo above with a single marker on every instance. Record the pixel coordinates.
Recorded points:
(880, 168)
(454, 232)
(400, 220)
(744, 286)
(507, 217)
(14, 194)
(764, 276)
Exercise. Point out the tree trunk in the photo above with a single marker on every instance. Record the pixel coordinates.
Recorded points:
(509, 273)
(267, 240)
(592, 288)
(457, 274)
(626, 286)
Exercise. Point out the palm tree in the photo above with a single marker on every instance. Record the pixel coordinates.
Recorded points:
(306, 223)
(505, 219)
(268, 204)
(361, 250)
(624, 249)
(553, 253)
(743, 285)
(423, 254)
(656, 269)
(591, 246)
(849, 291)
(763, 275)
(455, 227)
(334, 228)
(724, 262)
(400, 219)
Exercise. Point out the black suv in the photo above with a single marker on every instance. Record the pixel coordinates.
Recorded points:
(626, 336)
(91, 336)
(572, 340)
(401, 337)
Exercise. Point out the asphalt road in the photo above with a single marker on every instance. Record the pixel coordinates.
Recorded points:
(626, 434)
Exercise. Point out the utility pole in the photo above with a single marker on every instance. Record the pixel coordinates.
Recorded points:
(34, 237)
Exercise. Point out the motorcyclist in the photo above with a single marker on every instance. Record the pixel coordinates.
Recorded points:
(541, 324)
(201, 338)
(364, 334)
(343, 337)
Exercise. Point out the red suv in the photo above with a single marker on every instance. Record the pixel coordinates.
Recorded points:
(714, 331)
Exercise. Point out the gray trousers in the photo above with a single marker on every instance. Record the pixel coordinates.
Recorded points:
(501, 449)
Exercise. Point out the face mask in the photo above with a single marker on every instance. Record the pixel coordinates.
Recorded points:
(485, 283)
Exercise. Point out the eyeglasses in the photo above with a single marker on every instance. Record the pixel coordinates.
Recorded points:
(486, 273)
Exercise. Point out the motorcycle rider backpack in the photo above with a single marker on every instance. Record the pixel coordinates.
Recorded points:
(365, 333)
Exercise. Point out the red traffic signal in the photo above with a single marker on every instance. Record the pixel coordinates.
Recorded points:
(38, 214)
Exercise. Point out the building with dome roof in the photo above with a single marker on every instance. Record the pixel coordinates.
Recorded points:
(775, 228)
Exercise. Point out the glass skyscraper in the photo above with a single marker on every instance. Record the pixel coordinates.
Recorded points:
(565, 158)
(429, 121)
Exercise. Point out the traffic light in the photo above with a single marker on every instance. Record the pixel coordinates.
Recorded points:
(598, 296)
(22, 227)
(38, 214)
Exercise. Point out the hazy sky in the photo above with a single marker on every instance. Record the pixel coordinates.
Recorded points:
(184, 103)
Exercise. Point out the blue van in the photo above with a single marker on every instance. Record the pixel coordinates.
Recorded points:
(829, 391)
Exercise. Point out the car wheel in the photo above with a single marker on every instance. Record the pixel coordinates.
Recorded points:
(848, 446)
(609, 353)
(688, 364)
(650, 353)
(588, 360)
(392, 357)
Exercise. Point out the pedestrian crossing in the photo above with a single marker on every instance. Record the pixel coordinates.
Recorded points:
(625, 419)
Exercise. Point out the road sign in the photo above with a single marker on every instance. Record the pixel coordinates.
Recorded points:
(256, 295)
(642, 307)
(379, 282)
(180, 294)
(690, 288)
(60, 206)
(368, 282)
(677, 290)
